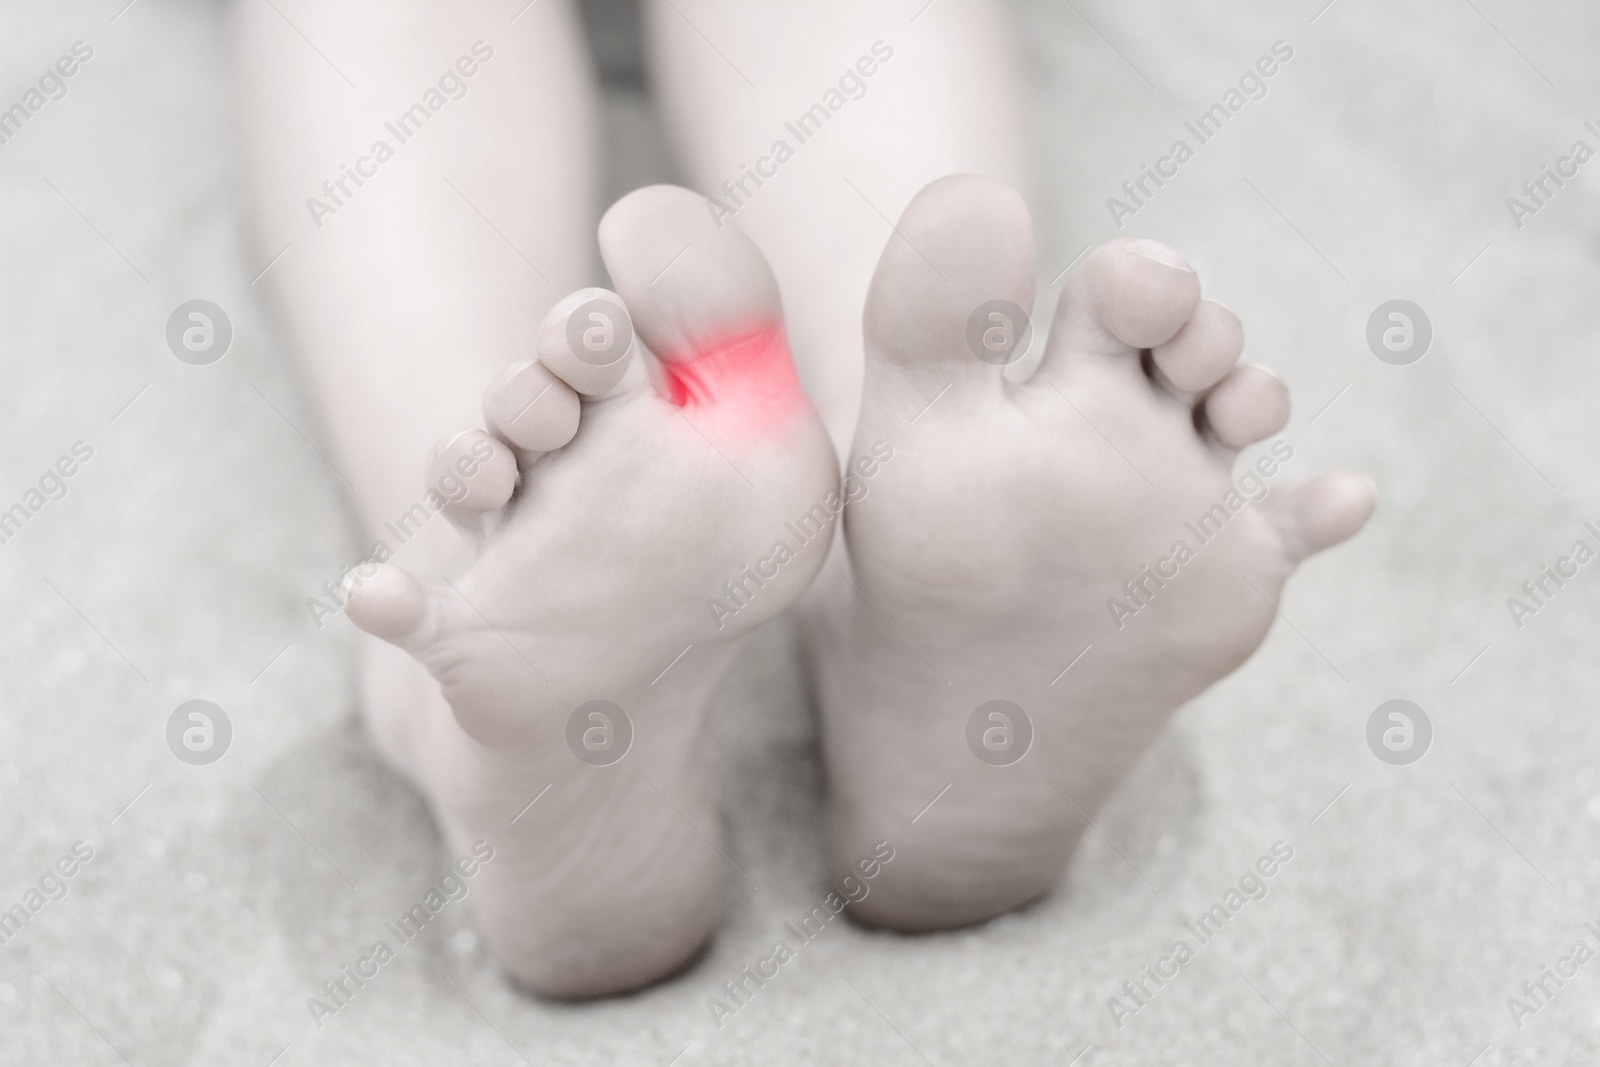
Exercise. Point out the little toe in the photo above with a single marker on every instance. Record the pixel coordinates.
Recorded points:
(531, 409)
(1203, 350)
(1250, 404)
(393, 605)
(1324, 511)
(587, 341)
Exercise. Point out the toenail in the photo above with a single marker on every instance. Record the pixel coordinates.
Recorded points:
(1159, 252)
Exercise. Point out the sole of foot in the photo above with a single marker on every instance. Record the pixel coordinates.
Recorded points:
(1041, 572)
(626, 501)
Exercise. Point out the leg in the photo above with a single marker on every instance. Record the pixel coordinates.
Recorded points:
(404, 300)
(944, 93)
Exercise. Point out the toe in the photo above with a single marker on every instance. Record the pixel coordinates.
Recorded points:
(1203, 350)
(586, 340)
(706, 304)
(476, 475)
(1248, 405)
(1128, 296)
(687, 280)
(531, 409)
(1143, 291)
(393, 604)
(953, 290)
(1324, 511)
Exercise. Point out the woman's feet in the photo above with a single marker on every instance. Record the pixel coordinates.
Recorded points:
(1047, 570)
(631, 510)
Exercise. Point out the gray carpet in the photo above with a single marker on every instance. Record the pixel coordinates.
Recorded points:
(1418, 900)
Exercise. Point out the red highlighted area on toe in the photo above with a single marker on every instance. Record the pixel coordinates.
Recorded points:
(741, 384)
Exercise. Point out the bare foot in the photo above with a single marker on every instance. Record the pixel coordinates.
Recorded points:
(1091, 510)
(620, 493)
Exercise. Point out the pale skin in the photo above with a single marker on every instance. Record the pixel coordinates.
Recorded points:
(605, 508)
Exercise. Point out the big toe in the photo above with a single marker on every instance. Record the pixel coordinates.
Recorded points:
(706, 304)
(953, 290)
